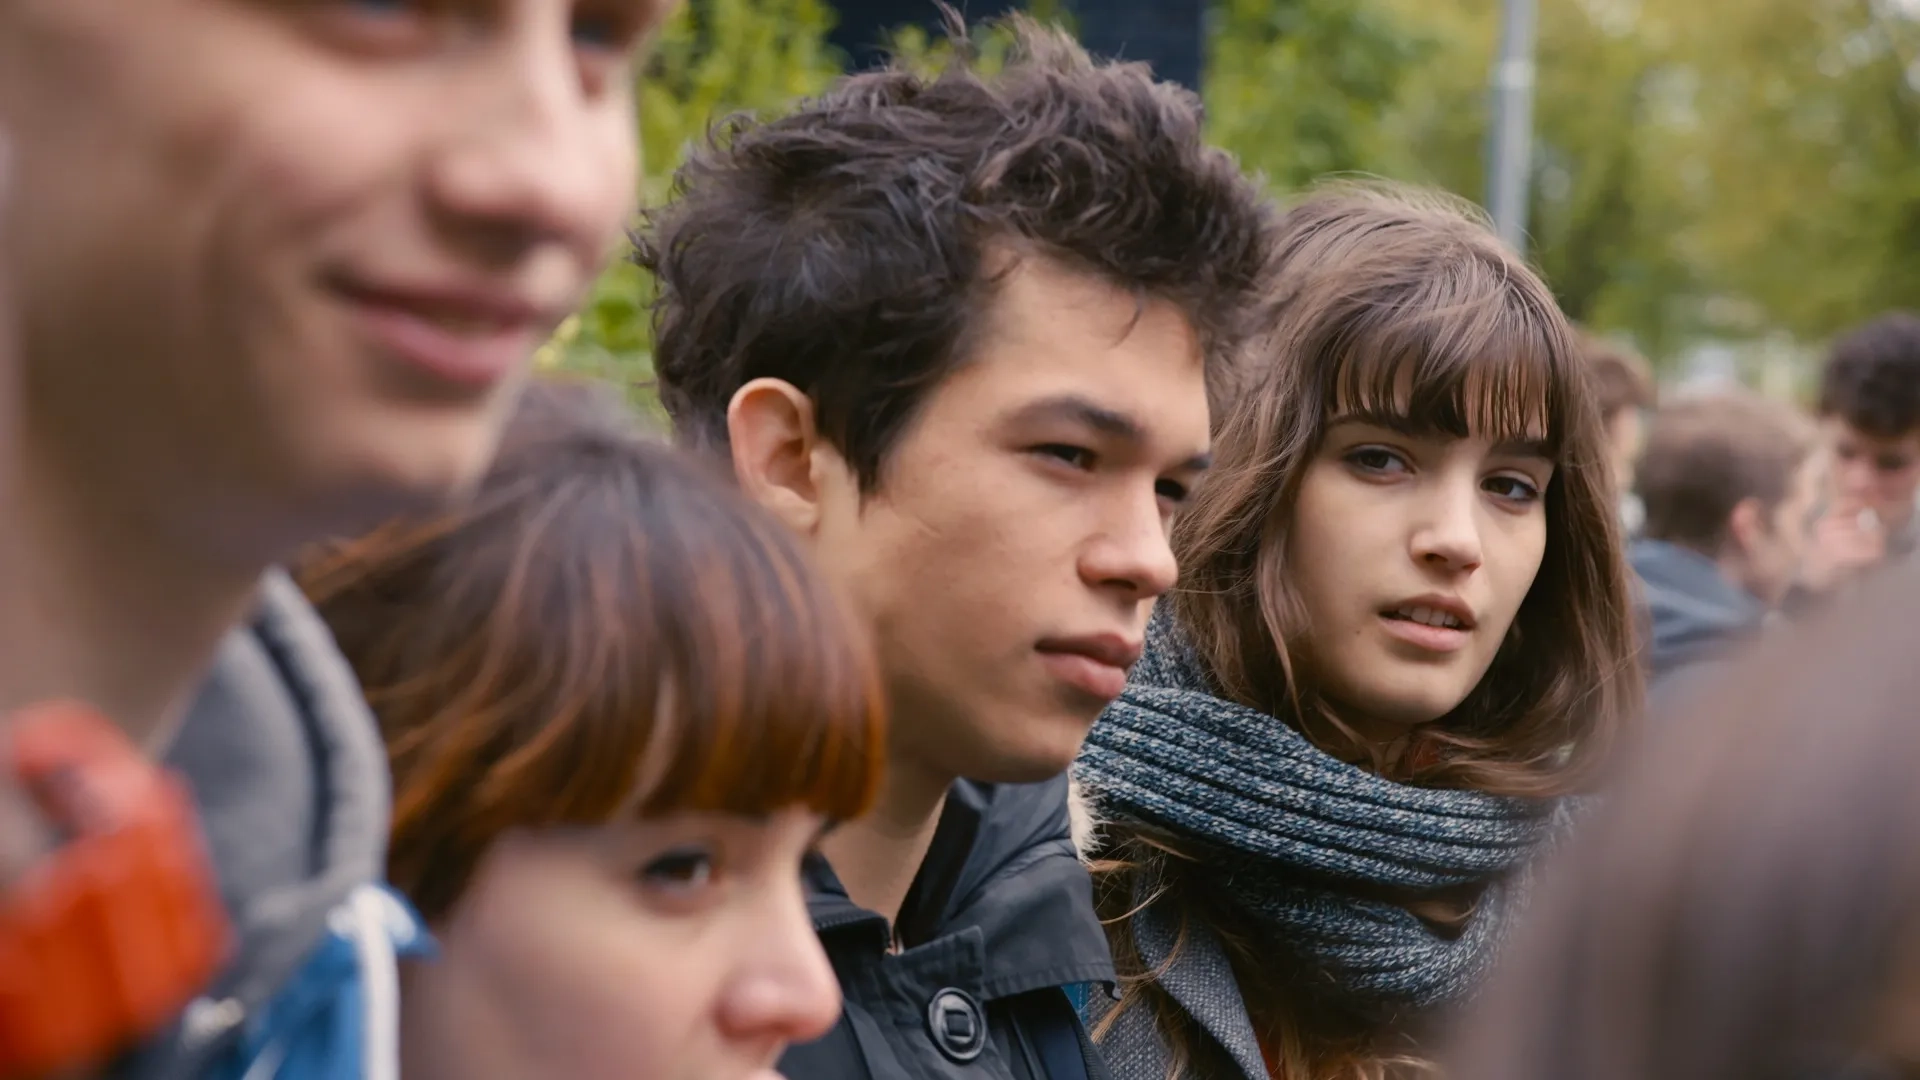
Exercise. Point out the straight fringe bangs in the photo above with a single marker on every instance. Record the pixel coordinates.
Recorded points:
(1459, 356)
(605, 630)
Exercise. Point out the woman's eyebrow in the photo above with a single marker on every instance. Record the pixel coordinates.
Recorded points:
(1539, 448)
(1398, 423)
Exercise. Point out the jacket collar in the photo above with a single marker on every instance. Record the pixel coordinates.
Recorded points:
(1001, 865)
(1197, 975)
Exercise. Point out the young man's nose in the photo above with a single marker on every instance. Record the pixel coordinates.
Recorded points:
(531, 161)
(1133, 554)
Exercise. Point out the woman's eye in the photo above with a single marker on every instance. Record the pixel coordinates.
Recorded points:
(1375, 459)
(1513, 489)
(1172, 490)
(1077, 456)
(683, 870)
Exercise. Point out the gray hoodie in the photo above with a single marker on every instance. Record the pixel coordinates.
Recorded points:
(290, 776)
(1694, 614)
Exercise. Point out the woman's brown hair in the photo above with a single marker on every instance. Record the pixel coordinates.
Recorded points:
(1393, 302)
(604, 629)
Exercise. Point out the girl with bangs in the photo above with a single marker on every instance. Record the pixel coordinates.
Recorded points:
(620, 709)
(1402, 636)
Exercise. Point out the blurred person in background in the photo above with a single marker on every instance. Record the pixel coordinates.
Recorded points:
(1870, 419)
(1731, 484)
(277, 270)
(1747, 904)
(620, 708)
(1403, 632)
(961, 332)
(1624, 386)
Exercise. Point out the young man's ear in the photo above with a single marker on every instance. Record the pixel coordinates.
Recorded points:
(1747, 526)
(779, 457)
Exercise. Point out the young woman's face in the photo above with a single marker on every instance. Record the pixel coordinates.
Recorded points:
(672, 949)
(1411, 554)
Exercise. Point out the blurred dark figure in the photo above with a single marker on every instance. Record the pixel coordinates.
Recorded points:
(1747, 905)
(1168, 35)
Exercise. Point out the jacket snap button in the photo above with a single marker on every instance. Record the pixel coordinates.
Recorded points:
(957, 1024)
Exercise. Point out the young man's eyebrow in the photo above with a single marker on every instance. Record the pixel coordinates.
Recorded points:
(1116, 425)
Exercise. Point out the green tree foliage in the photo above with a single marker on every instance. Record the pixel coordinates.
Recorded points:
(1804, 125)
(1301, 89)
(712, 60)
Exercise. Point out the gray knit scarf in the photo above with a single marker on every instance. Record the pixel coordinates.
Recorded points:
(1284, 831)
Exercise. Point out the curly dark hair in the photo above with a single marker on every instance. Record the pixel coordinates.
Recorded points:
(1872, 379)
(850, 247)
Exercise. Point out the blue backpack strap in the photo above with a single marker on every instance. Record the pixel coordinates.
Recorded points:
(1058, 1039)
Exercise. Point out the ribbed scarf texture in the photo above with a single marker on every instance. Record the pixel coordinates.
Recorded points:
(1284, 832)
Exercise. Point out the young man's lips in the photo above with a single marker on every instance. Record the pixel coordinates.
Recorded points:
(468, 338)
(1096, 665)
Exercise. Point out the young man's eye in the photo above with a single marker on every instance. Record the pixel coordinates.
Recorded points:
(596, 32)
(617, 26)
(379, 27)
(1077, 456)
(682, 870)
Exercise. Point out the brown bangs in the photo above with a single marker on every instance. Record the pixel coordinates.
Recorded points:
(1462, 354)
(777, 706)
(604, 630)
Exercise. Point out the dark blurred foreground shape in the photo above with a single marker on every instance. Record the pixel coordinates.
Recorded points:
(1745, 902)
(1167, 34)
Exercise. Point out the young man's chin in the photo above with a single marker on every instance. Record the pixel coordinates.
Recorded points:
(402, 463)
(1031, 760)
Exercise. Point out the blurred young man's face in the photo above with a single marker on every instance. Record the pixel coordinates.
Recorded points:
(288, 258)
(1872, 472)
(1772, 557)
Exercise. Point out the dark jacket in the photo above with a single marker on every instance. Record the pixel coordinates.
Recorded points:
(1694, 616)
(998, 923)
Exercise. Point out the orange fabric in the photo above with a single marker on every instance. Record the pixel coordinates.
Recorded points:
(116, 929)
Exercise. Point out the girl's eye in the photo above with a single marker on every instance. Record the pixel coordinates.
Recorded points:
(1513, 488)
(1376, 459)
(1173, 491)
(1077, 456)
(682, 870)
